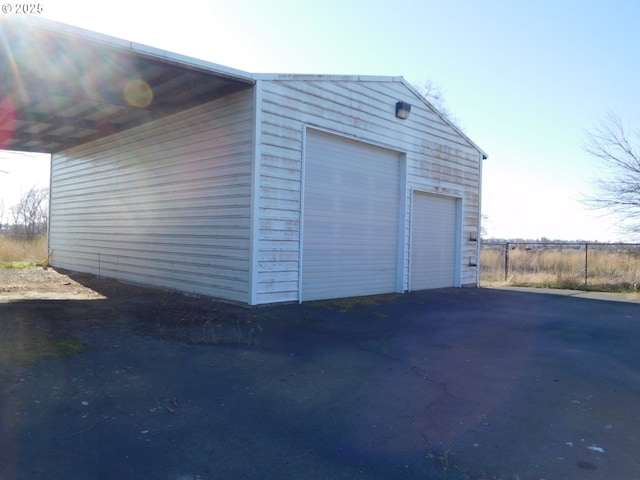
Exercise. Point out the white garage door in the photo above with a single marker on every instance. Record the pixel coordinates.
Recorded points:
(433, 241)
(351, 205)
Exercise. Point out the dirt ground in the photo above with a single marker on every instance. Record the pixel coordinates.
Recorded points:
(43, 284)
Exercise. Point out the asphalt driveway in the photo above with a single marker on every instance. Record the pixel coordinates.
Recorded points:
(443, 384)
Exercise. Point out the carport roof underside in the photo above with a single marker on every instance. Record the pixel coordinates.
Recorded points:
(61, 86)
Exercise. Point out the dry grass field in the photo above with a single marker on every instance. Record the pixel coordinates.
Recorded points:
(15, 253)
(604, 267)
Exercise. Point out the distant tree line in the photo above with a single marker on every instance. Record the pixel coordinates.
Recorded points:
(30, 216)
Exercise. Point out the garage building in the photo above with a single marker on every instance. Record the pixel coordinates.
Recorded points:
(255, 188)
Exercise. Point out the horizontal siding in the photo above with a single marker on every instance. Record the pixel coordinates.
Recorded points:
(165, 204)
(438, 159)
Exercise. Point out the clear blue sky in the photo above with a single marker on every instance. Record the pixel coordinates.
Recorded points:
(524, 78)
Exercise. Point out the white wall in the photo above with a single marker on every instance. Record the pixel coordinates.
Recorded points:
(439, 160)
(165, 204)
(170, 203)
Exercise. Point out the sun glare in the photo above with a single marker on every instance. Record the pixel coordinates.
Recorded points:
(7, 121)
(138, 93)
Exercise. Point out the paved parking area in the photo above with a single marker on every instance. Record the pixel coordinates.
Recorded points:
(443, 384)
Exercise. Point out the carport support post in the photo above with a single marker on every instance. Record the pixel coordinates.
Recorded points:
(506, 260)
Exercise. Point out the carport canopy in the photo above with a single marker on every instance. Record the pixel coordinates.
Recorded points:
(61, 86)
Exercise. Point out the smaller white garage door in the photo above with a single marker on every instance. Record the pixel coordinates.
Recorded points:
(434, 241)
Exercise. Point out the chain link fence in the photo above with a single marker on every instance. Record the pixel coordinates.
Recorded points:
(584, 265)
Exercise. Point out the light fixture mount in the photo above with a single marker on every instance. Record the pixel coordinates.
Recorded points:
(403, 109)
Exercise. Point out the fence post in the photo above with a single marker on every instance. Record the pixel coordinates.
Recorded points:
(586, 264)
(506, 260)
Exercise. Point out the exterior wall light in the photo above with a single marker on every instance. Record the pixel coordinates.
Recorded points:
(403, 109)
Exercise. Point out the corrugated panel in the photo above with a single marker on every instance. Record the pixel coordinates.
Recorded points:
(167, 204)
(433, 241)
(351, 204)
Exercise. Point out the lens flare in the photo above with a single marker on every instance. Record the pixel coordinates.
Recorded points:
(138, 93)
(7, 121)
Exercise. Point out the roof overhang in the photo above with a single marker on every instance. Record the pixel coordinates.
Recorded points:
(62, 86)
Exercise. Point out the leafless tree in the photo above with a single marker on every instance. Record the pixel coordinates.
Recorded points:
(435, 96)
(31, 214)
(617, 190)
(2, 206)
(484, 218)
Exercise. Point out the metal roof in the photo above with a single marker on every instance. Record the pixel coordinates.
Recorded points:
(62, 86)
